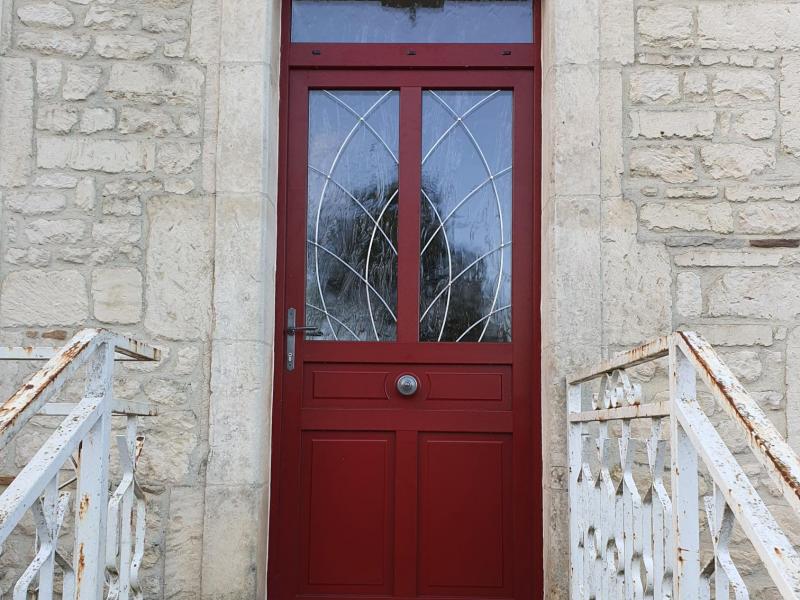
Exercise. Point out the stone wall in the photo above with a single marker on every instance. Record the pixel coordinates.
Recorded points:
(135, 141)
(672, 177)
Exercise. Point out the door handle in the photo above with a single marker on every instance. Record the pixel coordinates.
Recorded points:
(292, 329)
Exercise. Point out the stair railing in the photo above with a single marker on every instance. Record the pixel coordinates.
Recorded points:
(108, 530)
(634, 540)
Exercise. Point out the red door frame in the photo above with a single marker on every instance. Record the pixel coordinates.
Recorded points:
(345, 65)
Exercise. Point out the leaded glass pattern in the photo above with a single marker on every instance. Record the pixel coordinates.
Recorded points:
(351, 249)
(465, 259)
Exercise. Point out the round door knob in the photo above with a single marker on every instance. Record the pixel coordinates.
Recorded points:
(407, 385)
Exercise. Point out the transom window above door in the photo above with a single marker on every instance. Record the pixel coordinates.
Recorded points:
(412, 21)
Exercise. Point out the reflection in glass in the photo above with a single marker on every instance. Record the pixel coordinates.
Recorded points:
(419, 21)
(465, 260)
(351, 261)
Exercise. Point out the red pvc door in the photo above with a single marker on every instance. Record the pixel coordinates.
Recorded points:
(409, 246)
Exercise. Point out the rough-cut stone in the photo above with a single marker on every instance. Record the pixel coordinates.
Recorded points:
(56, 118)
(45, 15)
(16, 120)
(669, 25)
(123, 46)
(790, 134)
(745, 364)
(695, 86)
(177, 157)
(159, 23)
(134, 120)
(769, 218)
(688, 294)
(67, 231)
(793, 388)
(666, 124)
(114, 232)
(48, 77)
(749, 192)
(736, 161)
(85, 194)
(56, 180)
(790, 84)
(37, 203)
(739, 334)
(673, 164)
(685, 216)
(735, 87)
(74, 46)
(755, 124)
(103, 17)
(176, 49)
(42, 298)
(728, 258)
(765, 294)
(179, 267)
(697, 193)
(156, 83)
(660, 85)
(81, 82)
(111, 156)
(97, 119)
(117, 295)
(749, 25)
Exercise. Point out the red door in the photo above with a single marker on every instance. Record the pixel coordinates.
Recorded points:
(407, 458)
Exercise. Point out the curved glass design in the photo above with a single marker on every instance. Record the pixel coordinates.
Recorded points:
(465, 260)
(351, 231)
(412, 21)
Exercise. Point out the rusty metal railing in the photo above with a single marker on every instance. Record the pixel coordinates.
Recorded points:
(108, 529)
(631, 536)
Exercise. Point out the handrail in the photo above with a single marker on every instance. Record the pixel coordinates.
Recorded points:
(106, 550)
(671, 557)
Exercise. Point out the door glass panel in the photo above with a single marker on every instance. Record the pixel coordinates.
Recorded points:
(419, 21)
(351, 233)
(465, 236)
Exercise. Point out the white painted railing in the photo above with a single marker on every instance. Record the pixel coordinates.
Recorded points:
(630, 536)
(108, 530)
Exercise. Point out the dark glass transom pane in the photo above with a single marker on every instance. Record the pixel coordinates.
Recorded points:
(417, 21)
(465, 260)
(351, 262)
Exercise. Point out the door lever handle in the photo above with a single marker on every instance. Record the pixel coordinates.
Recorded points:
(292, 329)
(307, 330)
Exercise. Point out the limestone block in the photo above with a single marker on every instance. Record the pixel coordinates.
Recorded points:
(114, 232)
(74, 46)
(56, 180)
(16, 121)
(673, 164)
(43, 298)
(755, 124)
(97, 119)
(173, 448)
(47, 14)
(48, 77)
(85, 194)
(56, 118)
(177, 157)
(135, 120)
(654, 86)
(727, 258)
(634, 274)
(123, 46)
(179, 267)
(790, 84)
(35, 257)
(176, 49)
(768, 218)
(736, 161)
(66, 231)
(204, 37)
(160, 23)
(86, 154)
(666, 124)
(749, 25)
(103, 17)
(793, 388)
(178, 186)
(617, 27)
(750, 192)
(687, 216)
(156, 83)
(695, 86)
(81, 82)
(745, 364)
(34, 203)
(688, 294)
(242, 19)
(738, 334)
(183, 555)
(765, 294)
(696, 193)
(732, 87)
(790, 134)
(117, 295)
(666, 25)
